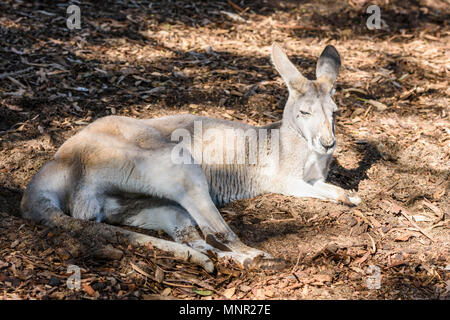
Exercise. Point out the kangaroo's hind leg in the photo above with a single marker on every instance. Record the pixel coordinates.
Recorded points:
(178, 224)
(154, 173)
(197, 201)
(173, 220)
(42, 202)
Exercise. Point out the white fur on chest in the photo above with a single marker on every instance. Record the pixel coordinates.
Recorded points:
(316, 167)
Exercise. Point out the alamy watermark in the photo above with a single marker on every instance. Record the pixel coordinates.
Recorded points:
(374, 21)
(373, 281)
(73, 21)
(74, 280)
(225, 146)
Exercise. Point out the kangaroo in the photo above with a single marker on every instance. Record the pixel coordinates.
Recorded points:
(122, 171)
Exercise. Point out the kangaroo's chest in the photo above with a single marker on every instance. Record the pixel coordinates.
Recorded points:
(232, 182)
(316, 167)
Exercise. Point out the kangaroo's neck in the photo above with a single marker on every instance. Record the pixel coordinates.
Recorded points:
(286, 153)
(297, 157)
(252, 169)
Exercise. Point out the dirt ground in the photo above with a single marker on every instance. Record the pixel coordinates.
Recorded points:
(146, 59)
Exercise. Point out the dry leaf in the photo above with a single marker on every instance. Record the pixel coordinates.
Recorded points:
(259, 294)
(13, 107)
(421, 218)
(166, 292)
(378, 105)
(244, 288)
(228, 293)
(159, 274)
(403, 237)
(268, 292)
(88, 289)
(322, 278)
(363, 258)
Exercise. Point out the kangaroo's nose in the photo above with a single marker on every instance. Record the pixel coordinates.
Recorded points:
(329, 144)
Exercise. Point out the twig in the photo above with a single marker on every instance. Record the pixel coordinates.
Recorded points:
(178, 285)
(285, 26)
(279, 220)
(233, 16)
(367, 111)
(139, 270)
(235, 6)
(295, 214)
(16, 82)
(440, 224)
(406, 214)
(296, 263)
(4, 75)
(435, 209)
(374, 247)
(199, 283)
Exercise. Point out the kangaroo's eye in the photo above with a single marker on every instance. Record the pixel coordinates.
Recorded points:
(305, 113)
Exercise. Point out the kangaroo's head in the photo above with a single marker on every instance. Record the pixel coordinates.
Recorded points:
(310, 109)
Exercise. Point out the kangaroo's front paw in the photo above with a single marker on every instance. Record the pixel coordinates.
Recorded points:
(349, 198)
(353, 198)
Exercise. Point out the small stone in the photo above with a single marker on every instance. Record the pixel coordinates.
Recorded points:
(54, 282)
(15, 244)
(244, 288)
(332, 248)
(180, 75)
(112, 280)
(63, 254)
(351, 221)
(98, 286)
(159, 274)
(166, 292)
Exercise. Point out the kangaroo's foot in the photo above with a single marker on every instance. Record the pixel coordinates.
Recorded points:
(237, 251)
(257, 259)
(178, 224)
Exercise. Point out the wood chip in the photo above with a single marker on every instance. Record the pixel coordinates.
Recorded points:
(228, 293)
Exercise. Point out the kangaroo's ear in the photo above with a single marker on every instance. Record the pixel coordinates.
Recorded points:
(328, 65)
(291, 76)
